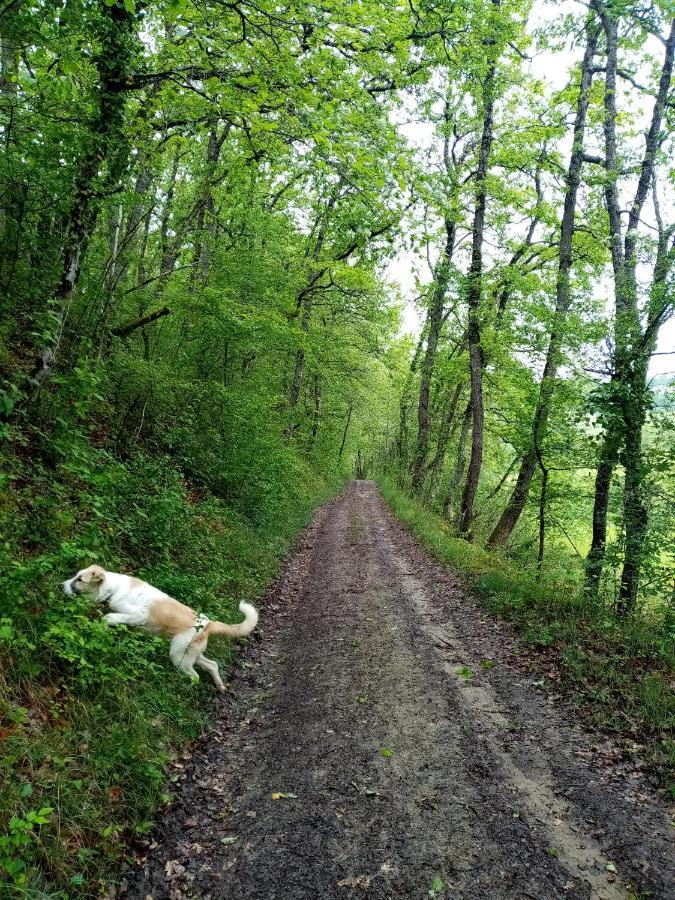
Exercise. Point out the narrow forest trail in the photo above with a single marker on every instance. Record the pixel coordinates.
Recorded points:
(364, 645)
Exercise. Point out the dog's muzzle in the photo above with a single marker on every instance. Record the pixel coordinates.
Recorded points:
(69, 588)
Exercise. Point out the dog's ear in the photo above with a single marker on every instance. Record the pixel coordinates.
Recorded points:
(93, 575)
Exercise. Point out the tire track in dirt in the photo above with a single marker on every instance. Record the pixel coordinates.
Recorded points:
(362, 642)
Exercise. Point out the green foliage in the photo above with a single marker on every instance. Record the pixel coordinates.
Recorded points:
(437, 886)
(90, 716)
(198, 343)
(15, 846)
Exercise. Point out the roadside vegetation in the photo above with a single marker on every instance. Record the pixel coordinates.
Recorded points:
(204, 213)
(91, 717)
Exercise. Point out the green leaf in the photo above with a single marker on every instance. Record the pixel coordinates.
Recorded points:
(436, 886)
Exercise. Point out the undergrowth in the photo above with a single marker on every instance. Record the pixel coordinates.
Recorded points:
(620, 672)
(90, 716)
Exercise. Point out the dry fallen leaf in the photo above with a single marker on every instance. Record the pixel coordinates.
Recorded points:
(173, 869)
(355, 881)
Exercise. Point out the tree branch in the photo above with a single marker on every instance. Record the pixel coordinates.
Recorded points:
(125, 330)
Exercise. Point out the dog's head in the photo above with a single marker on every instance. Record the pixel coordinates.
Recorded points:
(87, 582)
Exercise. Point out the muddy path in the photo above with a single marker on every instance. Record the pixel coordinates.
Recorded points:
(412, 757)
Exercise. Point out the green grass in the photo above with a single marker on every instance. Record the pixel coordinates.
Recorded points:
(620, 673)
(92, 718)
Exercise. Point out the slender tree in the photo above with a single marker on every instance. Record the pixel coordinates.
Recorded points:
(509, 517)
(475, 287)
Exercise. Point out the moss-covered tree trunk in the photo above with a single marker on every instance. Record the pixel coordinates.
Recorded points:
(632, 345)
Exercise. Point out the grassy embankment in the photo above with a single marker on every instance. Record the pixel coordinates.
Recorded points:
(90, 716)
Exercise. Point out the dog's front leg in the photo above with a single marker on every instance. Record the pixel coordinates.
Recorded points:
(124, 619)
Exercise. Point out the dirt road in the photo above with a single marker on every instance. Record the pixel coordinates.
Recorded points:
(378, 742)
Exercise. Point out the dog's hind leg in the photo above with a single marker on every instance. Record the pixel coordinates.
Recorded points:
(210, 666)
(184, 651)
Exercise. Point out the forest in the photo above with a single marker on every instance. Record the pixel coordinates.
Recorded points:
(250, 250)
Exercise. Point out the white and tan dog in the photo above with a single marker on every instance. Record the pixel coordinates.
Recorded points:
(140, 605)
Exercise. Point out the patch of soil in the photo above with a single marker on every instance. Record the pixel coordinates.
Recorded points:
(381, 742)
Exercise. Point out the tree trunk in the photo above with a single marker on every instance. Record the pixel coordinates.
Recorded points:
(206, 221)
(495, 490)
(596, 555)
(511, 514)
(542, 522)
(9, 68)
(317, 408)
(344, 433)
(402, 438)
(633, 352)
(112, 63)
(120, 257)
(448, 425)
(299, 367)
(171, 247)
(632, 346)
(450, 505)
(634, 507)
(441, 279)
(304, 302)
(474, 294)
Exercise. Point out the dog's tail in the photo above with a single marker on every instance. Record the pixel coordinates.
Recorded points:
(241, 630)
